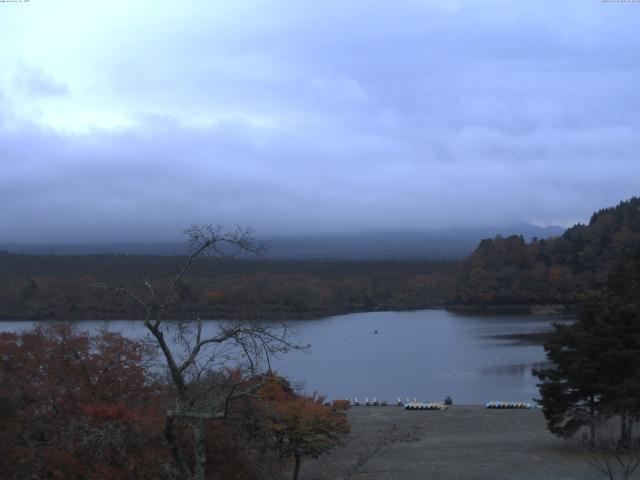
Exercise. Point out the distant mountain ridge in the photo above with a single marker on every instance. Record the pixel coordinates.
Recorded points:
(450, 243)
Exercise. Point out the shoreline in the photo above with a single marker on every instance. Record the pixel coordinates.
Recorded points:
(534, 310)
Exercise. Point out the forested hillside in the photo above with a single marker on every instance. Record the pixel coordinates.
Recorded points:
(565, 270)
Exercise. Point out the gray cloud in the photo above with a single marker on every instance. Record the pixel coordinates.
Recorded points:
(302, 118)
(36, 82)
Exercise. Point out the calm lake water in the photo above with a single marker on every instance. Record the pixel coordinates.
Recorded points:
(425, 354)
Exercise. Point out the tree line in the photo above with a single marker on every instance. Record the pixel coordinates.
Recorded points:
(62, 287)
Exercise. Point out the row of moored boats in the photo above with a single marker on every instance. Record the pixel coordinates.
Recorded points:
(418, 405)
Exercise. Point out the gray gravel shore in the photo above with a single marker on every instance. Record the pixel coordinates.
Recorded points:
(463, 442)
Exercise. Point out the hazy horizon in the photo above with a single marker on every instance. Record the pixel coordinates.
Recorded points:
(180, 237)
(128, 121)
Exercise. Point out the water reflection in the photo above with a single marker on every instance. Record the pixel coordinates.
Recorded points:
(427, 354)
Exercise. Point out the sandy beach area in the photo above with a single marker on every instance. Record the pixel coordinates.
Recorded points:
(463, 442)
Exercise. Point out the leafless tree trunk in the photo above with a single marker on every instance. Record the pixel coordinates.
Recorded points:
(626, 428)
(189, 351)
(296, 470)
(200, 454)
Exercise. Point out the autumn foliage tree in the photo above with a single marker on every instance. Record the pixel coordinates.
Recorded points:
(77, 406)
(572, 269)
(302, 425)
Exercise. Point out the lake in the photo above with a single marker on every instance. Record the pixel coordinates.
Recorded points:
(426, 354)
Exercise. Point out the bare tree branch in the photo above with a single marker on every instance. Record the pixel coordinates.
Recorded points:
(188, 351)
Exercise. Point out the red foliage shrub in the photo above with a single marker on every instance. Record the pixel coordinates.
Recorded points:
(78, 406)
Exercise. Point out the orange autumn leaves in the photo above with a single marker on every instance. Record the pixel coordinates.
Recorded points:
(77, 406)
(302, 424)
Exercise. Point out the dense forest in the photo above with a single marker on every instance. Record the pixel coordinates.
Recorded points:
(60, 287)
(566, 270)
(505, 271)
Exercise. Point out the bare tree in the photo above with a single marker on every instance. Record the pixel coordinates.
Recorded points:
(191, 350)
(384, 441)
(613, 458)
(359, 452)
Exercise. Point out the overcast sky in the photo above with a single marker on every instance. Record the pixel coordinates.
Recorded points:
(128, 120)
